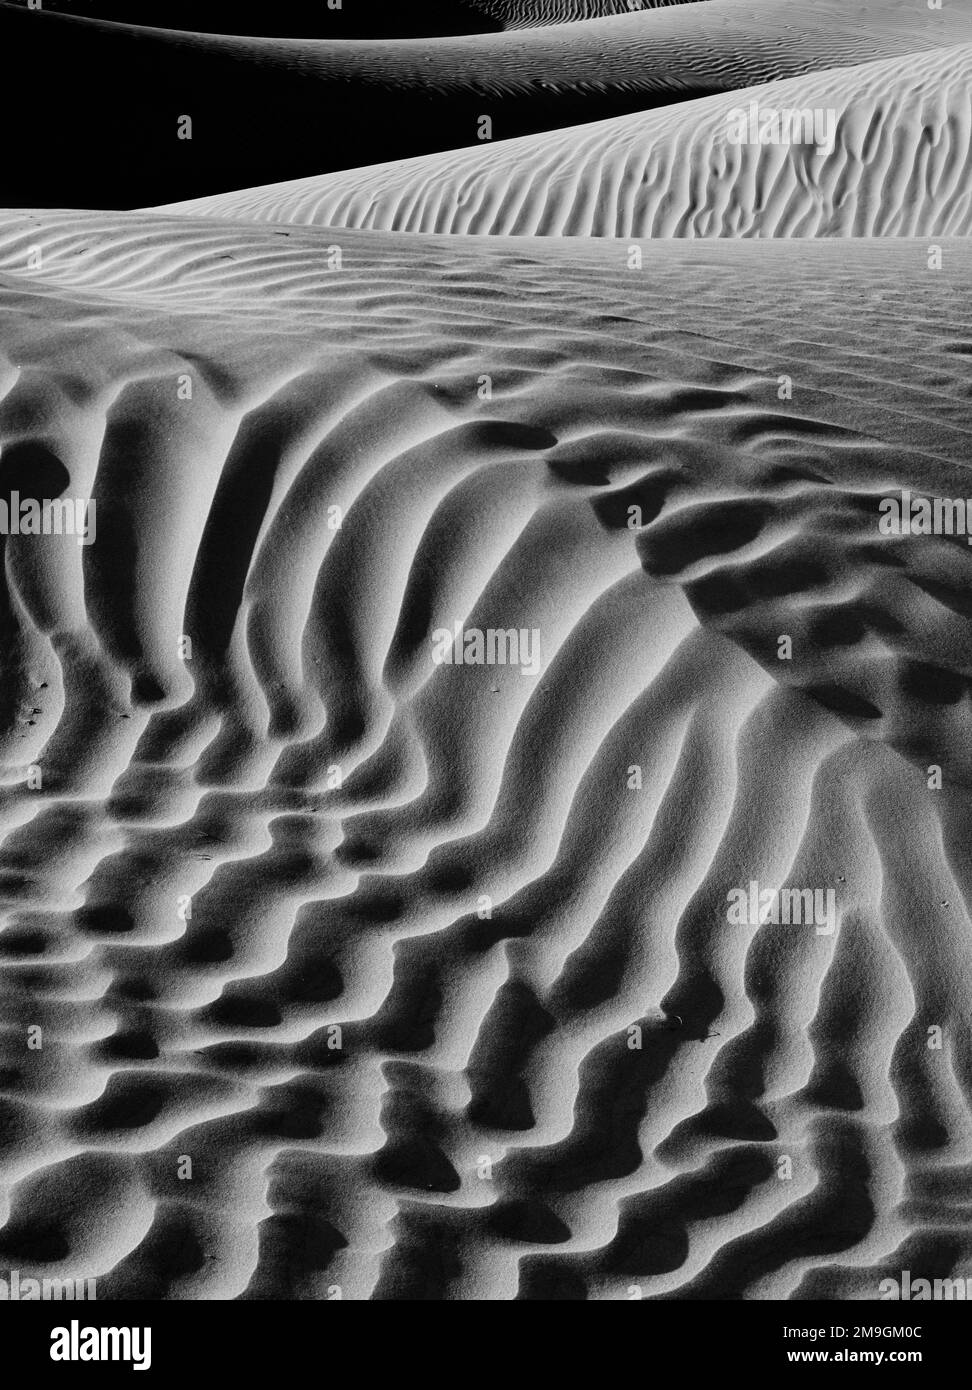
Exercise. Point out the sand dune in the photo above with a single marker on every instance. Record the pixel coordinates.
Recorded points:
(893, 162)
(313, 19)
(712, 44)
(469, 581)
(266, 109)
(518, 14)
(485, 901)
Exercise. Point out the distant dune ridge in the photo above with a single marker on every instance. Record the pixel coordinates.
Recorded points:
(424, 966)
(897, 165)
(317, 19)
(517, 14)
(282, 108)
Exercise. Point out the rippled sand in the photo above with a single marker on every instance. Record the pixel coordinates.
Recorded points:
(427, 968)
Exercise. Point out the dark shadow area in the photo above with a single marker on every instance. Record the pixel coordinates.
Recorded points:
(255, 120)
(295, 19)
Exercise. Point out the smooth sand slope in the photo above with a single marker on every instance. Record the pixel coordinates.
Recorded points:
(435, 909)
(897, 165)
(270, 109)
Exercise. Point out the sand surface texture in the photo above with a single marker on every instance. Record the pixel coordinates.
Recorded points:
(424, 968)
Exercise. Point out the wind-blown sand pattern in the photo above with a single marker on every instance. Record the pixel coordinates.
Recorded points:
(517, 14)
(426, 969)
(264, 108)
(898, 167)
(711, 45)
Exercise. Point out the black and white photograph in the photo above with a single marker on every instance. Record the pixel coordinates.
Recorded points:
(486, 667)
